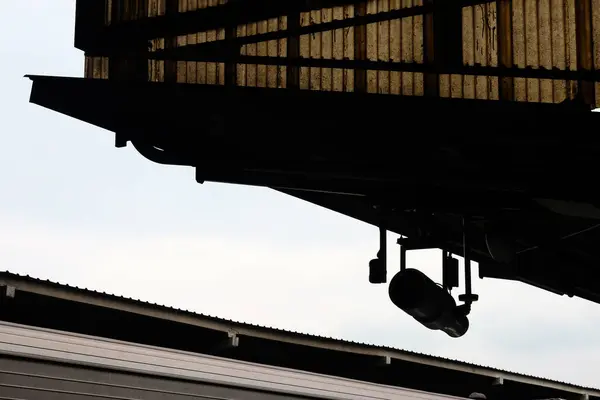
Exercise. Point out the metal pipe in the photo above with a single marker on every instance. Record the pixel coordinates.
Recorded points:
(467, 257)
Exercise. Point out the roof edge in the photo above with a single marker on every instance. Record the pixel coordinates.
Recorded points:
(91, 297)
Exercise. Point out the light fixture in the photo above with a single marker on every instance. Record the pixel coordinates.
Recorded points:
(428, 303)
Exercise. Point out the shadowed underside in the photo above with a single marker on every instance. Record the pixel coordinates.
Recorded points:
(530, 169)
(412, 115)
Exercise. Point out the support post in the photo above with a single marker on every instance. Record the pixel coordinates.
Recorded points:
(585, 55)
(360, 48)
(505, 50)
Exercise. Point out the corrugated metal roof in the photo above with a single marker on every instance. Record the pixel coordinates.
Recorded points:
(324, 339)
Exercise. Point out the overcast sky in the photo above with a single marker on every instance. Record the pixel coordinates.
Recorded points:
(75, 209)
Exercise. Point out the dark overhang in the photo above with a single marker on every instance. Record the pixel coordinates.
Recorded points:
(241, 135)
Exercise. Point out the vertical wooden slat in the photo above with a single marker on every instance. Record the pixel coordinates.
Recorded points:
(407, 48)
(231, 31)
(282, 52)
(262, 51)
(372, 46)
(519, 48)
(432, 83)
(182, 40)
(171, 7)
(531, 48)
(545, 48)
(327, 50)
(293, 50)
(212, 68)
(231, 66)
(395, 48)
(337, 51)
(416, 79)
(315, 45)
(252, 69)
(241, 68)
(558, 32)
(505, 50)
(192, 38)
(383, 48)
(596, 44)
(360, 48)
(585, 57)
(348, 43)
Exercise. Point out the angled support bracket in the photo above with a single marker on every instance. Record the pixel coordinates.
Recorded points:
(378, 266)
(120, 140)
(498, 381)
(232, 341)
(384, 361)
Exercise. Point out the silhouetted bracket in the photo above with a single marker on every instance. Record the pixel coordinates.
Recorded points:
(9, 291)
(231, 342)
(120, 140)
(384, 361)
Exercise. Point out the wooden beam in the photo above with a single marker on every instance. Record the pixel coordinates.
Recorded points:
(585, 55)
(431, 81)
(360, 49)
(293, 50)
(171, 8)
(505, 50)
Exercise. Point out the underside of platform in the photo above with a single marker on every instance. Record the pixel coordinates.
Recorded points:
(414, 164)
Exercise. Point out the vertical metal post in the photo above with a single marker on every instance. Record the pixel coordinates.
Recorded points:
(402, 258)
(382, 255)
(468, 297)
(467, 257)
(378, 266)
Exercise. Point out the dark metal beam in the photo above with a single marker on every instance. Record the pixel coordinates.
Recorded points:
(235, 12)
(123, 34)
(191, 54)
(357, 21)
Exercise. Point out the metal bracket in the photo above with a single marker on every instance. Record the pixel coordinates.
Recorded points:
(11, 291)
(233, 339)
(378, 266)
(468, 297)
(449, 271)
(384, 361)
(414, 244)
(120, 140)
(231, 342)
(418, 243)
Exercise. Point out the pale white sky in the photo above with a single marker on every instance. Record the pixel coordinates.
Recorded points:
(77, 210)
